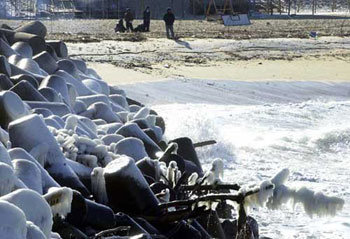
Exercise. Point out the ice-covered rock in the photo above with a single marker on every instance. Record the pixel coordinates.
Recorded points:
(12, 221)
(60, 200)
(11, 108)
(46, 179)
(132, 147)
(34, 232)
(127, 190)
(24, 133)
(29, 174)
(7, 179)
(34, 206)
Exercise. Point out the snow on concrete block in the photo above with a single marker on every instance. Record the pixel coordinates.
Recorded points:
(7, 179)
(127, 189)
(12, 221)
(29, 174)
(11, 108)
(34, 232)
(132, 147)
(34, 206)
(60, 200)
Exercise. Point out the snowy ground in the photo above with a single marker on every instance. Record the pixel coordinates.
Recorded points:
(262, 127)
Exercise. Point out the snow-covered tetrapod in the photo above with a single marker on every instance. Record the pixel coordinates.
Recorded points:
(24, 133)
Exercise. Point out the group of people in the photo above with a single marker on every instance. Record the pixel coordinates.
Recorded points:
(169, 19)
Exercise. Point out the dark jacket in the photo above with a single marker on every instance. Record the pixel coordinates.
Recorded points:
(128, 17)
(169, 18)
(147, 15)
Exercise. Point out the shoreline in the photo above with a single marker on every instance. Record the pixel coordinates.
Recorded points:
(316, 70)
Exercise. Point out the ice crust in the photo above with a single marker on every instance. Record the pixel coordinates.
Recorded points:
(12, 221)
(34, 206)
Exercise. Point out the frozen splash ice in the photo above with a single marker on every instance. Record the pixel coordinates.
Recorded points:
(311, 138)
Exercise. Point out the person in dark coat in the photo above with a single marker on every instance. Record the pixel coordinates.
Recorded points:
(146, 19)
(169, 19)
(120, 26)
(128, 17)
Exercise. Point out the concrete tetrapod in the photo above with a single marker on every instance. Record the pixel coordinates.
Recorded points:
(30, 131)
(127, 190)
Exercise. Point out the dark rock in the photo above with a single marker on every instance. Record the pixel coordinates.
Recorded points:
(46, 62)
(5, 82)
(127, 190)
(26, 91)
(5, 67)
(133, 130)
(187, 151)
(59, 47)
(23, 48)
(18, 78)
(33, 27)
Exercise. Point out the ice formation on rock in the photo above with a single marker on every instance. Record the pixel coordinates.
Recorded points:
(34, 206)
(60, 200)
(12, 221)
(314, 203)
(34, 232)
(7, 179)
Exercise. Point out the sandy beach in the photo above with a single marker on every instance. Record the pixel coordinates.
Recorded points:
(322, 59)
(327, 69)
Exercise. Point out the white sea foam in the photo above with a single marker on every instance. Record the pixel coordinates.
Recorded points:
(262, 128)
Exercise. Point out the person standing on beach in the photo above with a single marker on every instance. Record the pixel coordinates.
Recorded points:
(169, 19)
(128, 17)
(147, 18)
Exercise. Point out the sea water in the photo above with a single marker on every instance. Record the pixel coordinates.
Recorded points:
(262, 129)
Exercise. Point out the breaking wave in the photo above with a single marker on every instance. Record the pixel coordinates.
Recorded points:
(311, 138)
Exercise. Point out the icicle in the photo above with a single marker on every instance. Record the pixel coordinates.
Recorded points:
(218, 170)
(60, 200)
(281, 177)
(259, 199)
(98, 186)
(71, 122)
(192, 180)
(170, 174)
(316, 203)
